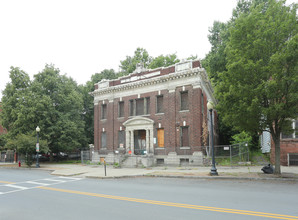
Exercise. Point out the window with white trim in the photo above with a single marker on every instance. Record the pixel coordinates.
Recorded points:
(293, 134)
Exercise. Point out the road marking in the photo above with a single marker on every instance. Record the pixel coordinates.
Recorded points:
(7, 182)
(55, 180)
(16, 186)
(171, 204)
(37, 183)
(69, 178)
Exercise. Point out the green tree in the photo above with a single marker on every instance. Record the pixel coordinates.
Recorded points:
(2, 141)
(58, 107)
(259, 89)
(129, 64)
(14, 97)
(215, 61)
(163, 61)
(51, 101)
(26, 145)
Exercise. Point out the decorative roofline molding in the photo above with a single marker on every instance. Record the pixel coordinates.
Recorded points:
(152, 81)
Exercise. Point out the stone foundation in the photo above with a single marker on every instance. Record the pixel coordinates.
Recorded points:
(172, 159)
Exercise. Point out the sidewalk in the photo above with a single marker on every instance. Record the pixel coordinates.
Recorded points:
(97, 171)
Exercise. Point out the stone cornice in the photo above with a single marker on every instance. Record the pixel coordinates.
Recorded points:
(151, 81)
(197, 77)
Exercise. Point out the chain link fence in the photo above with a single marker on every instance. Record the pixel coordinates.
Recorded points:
(7, 156)
(228, 154)
(237, 154)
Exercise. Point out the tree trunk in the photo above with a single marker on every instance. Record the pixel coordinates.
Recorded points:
(51, 157)
(277, 154)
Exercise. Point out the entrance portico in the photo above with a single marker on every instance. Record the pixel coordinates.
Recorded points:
(139, 135)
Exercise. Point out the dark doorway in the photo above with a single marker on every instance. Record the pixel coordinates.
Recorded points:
(140, 142)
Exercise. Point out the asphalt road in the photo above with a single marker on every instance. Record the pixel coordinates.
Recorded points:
(35, 194)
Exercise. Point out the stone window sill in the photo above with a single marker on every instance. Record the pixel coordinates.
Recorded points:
(184, 148)
(132, 116)
(181, 111)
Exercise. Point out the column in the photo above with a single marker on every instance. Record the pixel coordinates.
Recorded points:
(151, 141)
(147, 141)
(132, 142)
(127, 140)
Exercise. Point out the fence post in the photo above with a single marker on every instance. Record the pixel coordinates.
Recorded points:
(105, 166)
(82, 157)
(231, 155)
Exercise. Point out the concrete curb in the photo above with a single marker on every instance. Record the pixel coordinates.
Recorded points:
(85, 175)
(225, 178)
(191, 177)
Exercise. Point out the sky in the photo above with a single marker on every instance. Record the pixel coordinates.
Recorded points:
(84, 37)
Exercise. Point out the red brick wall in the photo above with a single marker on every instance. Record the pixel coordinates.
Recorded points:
(196, 64)
(171, 120)
(286, 146)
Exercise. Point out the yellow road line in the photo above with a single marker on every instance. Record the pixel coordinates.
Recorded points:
(180, 205)
(6, 182)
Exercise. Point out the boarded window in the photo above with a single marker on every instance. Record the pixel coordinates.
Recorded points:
(131, 107)
(104, 111)
(121, 139)
(147, 105)
(121, 109)
(140, 107)
(103, 140)
(159, 104)
(184, 137)
(184, 100)
(160, 137)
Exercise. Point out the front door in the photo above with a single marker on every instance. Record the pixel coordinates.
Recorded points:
(139, 142)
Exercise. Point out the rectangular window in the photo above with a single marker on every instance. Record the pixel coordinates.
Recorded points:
(104, 111)
(140, 107)
(121, 109)
(131, 108)
(121, 139)
(184, 137)
(292, 134)
(159, 104)
(184, 100)
(160, 137)
(147, 103)
(103, 140)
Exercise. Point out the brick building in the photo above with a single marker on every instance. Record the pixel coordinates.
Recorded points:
(288, 147)
(153, 116)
